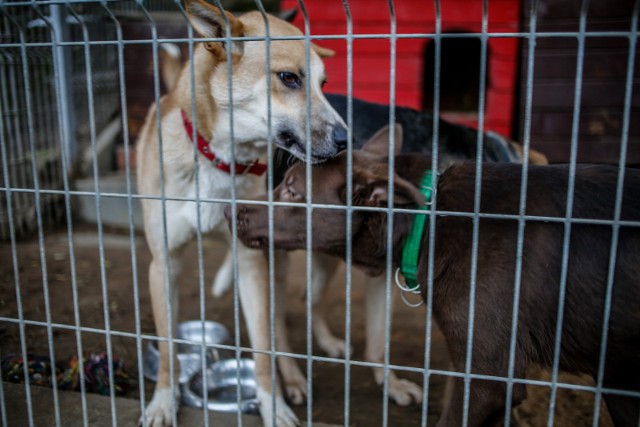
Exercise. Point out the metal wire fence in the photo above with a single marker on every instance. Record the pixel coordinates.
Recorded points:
(62, 80)
(32, 117)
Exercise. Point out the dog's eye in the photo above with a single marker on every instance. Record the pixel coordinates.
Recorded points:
(290, 80)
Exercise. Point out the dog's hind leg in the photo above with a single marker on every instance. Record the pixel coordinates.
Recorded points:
(403, 392)
(487, 398)
(486, 403)
(324, 268)
(253, 286)
(162, 409)
(224, 276)
(295, 383)
(624, 410)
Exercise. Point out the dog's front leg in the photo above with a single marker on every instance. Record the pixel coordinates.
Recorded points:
(402, 391)
(162, 409)
(253, 277)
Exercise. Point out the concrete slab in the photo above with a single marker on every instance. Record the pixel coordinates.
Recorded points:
(99, 410)
(114, 209)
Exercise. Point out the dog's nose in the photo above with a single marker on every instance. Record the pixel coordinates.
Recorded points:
(340, 138)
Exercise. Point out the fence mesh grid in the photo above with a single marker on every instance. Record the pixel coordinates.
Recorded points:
(63, 80)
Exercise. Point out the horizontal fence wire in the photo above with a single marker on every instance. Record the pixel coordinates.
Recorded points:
(442, 213)
(394, 367)
(70, 86)
(372, 36)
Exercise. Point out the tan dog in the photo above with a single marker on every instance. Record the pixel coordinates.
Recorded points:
(176, 221)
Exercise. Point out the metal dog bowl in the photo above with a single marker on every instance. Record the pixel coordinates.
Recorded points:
(189, 354)
(223, 387)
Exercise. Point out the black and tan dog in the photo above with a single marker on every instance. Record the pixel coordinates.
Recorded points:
(455, 143)
(586, 274)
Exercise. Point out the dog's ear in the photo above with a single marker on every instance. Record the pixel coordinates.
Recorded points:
(323, 52)
(210, 22)
(288, 15)
(376, 193)
(378, 144)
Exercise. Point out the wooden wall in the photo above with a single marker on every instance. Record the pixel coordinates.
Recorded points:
(603, 85)
(371, 57)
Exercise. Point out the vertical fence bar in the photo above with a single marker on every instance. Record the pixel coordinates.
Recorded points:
(48, 111)
(15, 264)
(270, 223)
(65, 160)
(437, 40)
(3, 408)
(273, 301)
(23, 201)
(521, 208)
(309, 210)
(569, 210)
(16, 273)
(132, 237)
(198, 202)
(615, 232)
(169, 289)
(96, 178)
(234, 206)
(390, 217)
(476, 211)
(64, 82)
(349, 212)
(40, 226)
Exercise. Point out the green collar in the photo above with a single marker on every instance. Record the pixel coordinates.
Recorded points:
(409, 266)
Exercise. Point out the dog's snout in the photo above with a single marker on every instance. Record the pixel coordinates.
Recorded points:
(340, 138)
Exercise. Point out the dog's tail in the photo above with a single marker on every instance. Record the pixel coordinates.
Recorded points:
(537, 158)
(501, 149)
(170, 64)
(224, 277)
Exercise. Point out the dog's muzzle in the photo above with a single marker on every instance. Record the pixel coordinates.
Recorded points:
(326, 143)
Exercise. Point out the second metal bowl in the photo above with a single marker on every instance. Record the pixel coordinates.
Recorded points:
(189, 355)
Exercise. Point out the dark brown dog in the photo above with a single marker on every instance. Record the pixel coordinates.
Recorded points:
(586, 276)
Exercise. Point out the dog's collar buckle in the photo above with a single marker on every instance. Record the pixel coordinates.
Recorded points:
(254, 167)
(249, 167)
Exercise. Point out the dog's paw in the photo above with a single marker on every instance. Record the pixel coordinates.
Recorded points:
(404, 392)
(334, 347)
(159, 411)
(296, 390)
(295, 383)
(284, 415)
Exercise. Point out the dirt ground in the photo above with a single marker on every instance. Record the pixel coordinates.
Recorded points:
(366, 399)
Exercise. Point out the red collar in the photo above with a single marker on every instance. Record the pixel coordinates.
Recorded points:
(254, 168)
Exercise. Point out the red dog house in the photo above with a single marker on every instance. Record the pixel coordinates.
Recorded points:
(460, 59)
